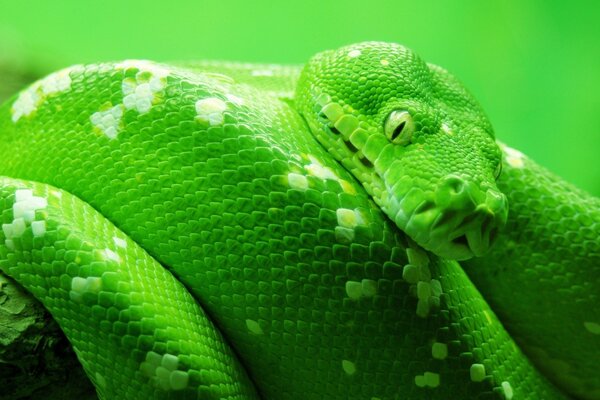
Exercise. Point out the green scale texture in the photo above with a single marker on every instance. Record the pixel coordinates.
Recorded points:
(557, 226)
(215, 176)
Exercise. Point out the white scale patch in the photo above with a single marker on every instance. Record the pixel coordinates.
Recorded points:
(592, 327)
(513, 157)
(24, 208)
(508, 392)
(446, 129)
(315, 168)
(163, 371)
(356, 290)
(211, 110)
(297, 181)
(354, 53)
(439, 351)
(347, 220)
(318, 170)
(31, 98)
(428, 379)
(139, 94)
(418, 275)
(109, 121)
(120, 242)
(349, 367)
(111, 255)
(254, 327)
(477, 372)
(80, 285)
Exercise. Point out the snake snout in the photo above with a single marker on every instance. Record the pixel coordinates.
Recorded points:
(468, 218)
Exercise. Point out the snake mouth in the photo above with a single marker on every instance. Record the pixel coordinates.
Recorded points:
(454, 224)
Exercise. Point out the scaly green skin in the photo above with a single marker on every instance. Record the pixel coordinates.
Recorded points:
(557, 227)
(439, 188)
(305, 289)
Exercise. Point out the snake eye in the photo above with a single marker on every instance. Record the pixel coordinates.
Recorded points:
(498, 170)
(399, 127)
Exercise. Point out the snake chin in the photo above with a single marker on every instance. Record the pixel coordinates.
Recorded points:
(457, 223)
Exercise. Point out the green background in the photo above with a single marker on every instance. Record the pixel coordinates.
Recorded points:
(534, 65)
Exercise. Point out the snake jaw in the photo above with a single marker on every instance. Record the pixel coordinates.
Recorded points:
(458, 221)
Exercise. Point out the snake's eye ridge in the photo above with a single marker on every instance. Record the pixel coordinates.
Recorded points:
(399, 127)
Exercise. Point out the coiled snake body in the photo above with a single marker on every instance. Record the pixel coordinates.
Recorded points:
(235, 231)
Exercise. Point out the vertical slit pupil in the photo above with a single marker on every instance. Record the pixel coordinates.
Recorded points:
(398, 130)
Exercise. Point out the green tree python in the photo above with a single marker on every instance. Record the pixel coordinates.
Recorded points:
(341, 230)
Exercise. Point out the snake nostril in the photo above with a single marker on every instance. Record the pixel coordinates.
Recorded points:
(452, 192)
(454, 184)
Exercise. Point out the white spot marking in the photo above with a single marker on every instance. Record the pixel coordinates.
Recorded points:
(140, 93)
(508, 392)
(348, 218)
(254, 327)
(316, 168)
(170, 362)
(26, 103)
(366, 288)
(297, 181)
(369, 287)
(439, 351)
(163, 371)
(38, 228)
(108, 121)
(592, 327)
(420, 381)
(446, 128)
(57, 82)
(111, 255)
(347, 186)
(120, 242)
(24, 208)
(80, 285)
(432, 379)
(354, 53)
(477, 372)
(385, 63)
(211, 110)
(32, 97)
(353, 290)
(513, 157)
(348, 367)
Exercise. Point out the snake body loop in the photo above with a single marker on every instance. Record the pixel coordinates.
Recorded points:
(235, 231)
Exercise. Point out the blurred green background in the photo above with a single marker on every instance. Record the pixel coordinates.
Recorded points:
(534, 65)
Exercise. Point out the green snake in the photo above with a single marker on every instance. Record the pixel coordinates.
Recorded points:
(211, 230)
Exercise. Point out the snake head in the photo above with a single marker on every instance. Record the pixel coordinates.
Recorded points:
(418, 142)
